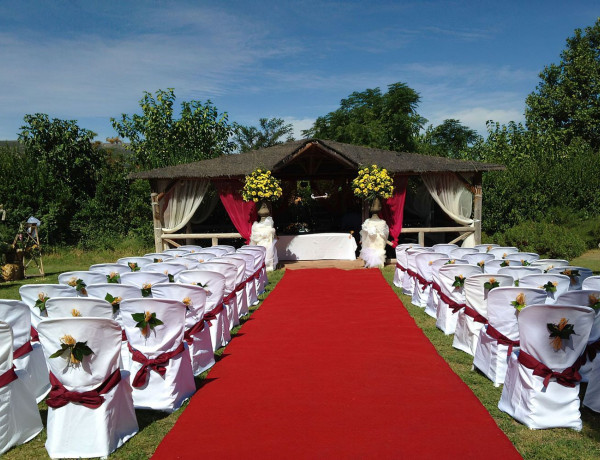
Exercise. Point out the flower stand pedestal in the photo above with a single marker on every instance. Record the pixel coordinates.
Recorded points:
(373, 238)
(263, 234)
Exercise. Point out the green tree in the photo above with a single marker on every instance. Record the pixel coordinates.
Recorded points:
(370, 118)
(566, 102)
(450, 139)
(271, 131)
(159, 139)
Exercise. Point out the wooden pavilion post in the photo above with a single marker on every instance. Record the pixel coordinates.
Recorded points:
(477, 205)
(158, 243)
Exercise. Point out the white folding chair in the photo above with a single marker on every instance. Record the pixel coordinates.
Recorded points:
(86, 307)
(161, 368)
(260, 253)
(35, 297)
(576, 274)
(28, 357)
(519, 271)
(541, 389)
(112, 272)
(547, 264)
(144, 281)
(215, 313)
(433, 299)
(411, 266)
(230, 272)
(19, 414)
(90, 410)
(80, 279)
(591, 282)
(492, 267)
(553, 284)
(167, 268)
(424, 276)
(485, 247)
(452, 298)
(500, 252)
(407, 281)
(135, 263)
(478, 258)
(458, 253)
(251, 275)
(240, 288)
(501, 336)
(473, 316)
(520, 257)
(444, 248)
(197, 333)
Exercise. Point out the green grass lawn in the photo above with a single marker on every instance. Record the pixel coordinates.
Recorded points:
(590, 259)
(532, 444)
(154, 425)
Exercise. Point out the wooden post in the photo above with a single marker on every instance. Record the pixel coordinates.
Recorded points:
(477, 204)
(158, 243)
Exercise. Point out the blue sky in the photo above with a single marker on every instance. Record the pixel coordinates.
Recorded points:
(92, 60)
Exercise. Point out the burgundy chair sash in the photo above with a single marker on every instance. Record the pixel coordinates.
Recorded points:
(229, 297)
(34, 335)
(123, 336)
(400, 266)
(453, 305)
(22, 350)
(567, 378)
(189, 334)
(59, 396)
(158, 364)
(471, 312)
(423, 281)
(590, 352)
(9, 376)
(210, 316)
(240, 287)
(502, 339)
(411, 273)
(436, 286)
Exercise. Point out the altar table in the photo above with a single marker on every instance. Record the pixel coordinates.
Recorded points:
(316, 246)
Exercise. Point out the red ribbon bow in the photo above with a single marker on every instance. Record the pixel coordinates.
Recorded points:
(567, 378)
(423, 281)
(59, 396)
(7, 377)
(454, 306)
(22, 350)
(502, 339)
(212, 315)
(158, 364)
(189, 334)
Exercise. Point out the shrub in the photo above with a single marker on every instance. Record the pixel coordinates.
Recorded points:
(548, 240)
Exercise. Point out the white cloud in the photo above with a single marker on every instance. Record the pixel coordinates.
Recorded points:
(299, 125)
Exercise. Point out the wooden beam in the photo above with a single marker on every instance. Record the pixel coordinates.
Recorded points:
(158, 242)
(199, 236)
(437, 229)
(477, 205)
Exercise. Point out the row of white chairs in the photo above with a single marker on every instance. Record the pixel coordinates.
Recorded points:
(476, 303)
(153, 370)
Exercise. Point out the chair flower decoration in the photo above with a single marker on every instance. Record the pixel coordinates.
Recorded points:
(75, 313)
(572, 274)
(133, 266)
(41, 302)
(113, 277)
(505, 263)
(519, 302)
(76, 350)
(78, 284)
(114, 301)
(489, 248)
(157, 260)
(171, 277)
(459, 281)
(146, 322)
(373, 182)
(146, 289)
(550, 287)
(450, 262)
(491, 284)
(188, 302)
(559, 332)
(594, 300)
(481, 263)
(524, 263)
(261, 185)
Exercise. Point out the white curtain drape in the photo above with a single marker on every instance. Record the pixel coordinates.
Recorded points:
(181, 202)
(454, 198)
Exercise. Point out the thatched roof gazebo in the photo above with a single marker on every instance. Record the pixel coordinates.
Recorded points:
(316, 159)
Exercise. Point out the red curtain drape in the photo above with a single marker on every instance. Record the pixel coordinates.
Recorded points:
(242, 213)
(393, 208)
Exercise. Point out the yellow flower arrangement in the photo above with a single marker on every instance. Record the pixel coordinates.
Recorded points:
(261, 185)
(373, 182)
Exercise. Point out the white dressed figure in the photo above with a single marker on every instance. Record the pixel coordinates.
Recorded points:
(373, 238)
(263, 234)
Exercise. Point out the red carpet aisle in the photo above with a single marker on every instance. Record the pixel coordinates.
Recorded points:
(332, 366)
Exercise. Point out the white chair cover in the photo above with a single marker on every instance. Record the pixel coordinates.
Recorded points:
(433, 299)
(491, 357)
(522, 256)
(408, 282)
(174, 252)
(261, 253)
(518, 272)
(592, 282)
(30, 293)
(191, 248)
(547, 264)
(493, 266)
(458, 253)
(214, 285)
(107, 269)
(230, 249)
(156, 256)
(19, 416)
(230, 272)
(401, 262)
(424, 263)
(217, 251)
(189, 264)
(445, 318)
(584, 298)
(485, 247)
(131, 262)
(87, 277)
(168, 392)
(478, 258)
(143, 280)
(500, 252)
(86, 307)
(411, 266)
(468, 324)
(524, 396)
(444, 248)
(241, 295)
(250, 275)
(201, 256)
(576, 280)
(538, 281)
(75, 430)
(167, 268)
(29, 365)
(197, 333)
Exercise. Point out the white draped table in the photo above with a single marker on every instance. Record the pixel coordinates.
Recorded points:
(316, 246)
